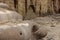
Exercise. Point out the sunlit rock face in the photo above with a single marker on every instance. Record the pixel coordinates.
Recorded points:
(33, 30)
(7, 15)
(11, 31)
(19, 31)
(26, 30)
(3, 5)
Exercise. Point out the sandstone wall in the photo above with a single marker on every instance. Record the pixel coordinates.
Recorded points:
(41, 7)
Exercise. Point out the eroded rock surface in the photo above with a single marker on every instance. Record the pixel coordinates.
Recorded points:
(52, 24)
(7, 15)
(20, 31)
(13, 28)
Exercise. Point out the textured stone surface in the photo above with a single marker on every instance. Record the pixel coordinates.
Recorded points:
(8, 15)
(52, 24)
(19, 31)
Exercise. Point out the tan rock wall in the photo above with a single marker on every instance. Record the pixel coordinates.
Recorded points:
(41, 6)
(9, 2)
(21, 7)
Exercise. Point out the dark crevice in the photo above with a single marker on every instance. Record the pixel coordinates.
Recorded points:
(20, 33)
(34, 29)
(26, 6)
(40, 11)
(32, 6)
(53, 0)
(59, 11)
(16, 4)
(25, 9)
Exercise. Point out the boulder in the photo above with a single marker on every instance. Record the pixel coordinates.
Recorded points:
(26, 30)
(7, 15)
